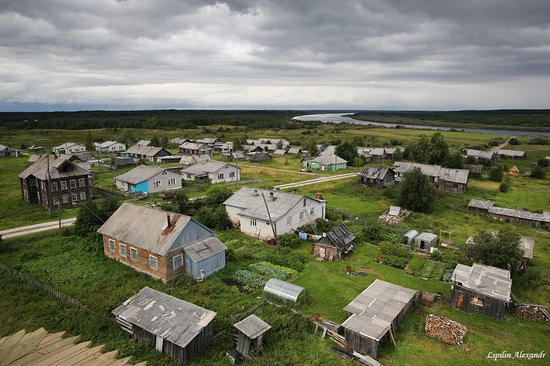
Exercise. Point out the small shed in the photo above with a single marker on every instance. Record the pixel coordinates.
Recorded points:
(425, 241)
(513, 170)
(251, 333)
(176, 327)
(284, 293)
(338, 242)
(408, 237)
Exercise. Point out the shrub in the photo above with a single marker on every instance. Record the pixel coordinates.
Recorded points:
(214, 217)
(504, 187)
(217, 195)
(538, 173)
(290, 240)
(394, 261)
(496, 174)
(437, 255)
(273, 271)
(334, 214)
(392, 249)
(539, 141)
(286, 257)
(249, 278)
(372, 232)
(544, 163)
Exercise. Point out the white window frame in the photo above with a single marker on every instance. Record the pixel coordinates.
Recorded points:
(253, 222)
(112, 245)
(171, 181)
(231, 174)
(74, 198)
(122, 250)
(65, 198)
(174, 262)
(72, 183)
(289, 220)
(132, 251)
(156, 262)
(63, 185)
(157, 183)
(81, 182)
(188, 175)
(83, 196)
(220, 176)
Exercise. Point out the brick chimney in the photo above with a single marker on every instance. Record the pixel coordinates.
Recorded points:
(271, 196)
(168, 219)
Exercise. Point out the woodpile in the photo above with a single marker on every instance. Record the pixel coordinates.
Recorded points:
(447, 330)
(532, 312)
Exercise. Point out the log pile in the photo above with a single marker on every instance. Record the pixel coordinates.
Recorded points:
(532, 312)
(447, 330)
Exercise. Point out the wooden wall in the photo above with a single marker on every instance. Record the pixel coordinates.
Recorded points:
(492, 307)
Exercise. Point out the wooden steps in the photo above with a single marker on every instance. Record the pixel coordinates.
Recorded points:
(40, 348)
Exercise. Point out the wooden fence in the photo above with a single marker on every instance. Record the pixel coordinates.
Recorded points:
(48, 289)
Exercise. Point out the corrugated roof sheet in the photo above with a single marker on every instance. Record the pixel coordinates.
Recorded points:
(165, 316)
(39, 169)
(487, 280)
(328, 159)
(480, 154)
(376, 307)
(511, 153)
(206, 167)
(528, 245)
(193, 146)
(481, 204)
(454, 175)
(374, 172)
(252, 326)
(339, 236)
(204, 248)
(144, 150)
(435, 171)
(428, 237)
(147, 228)
(139, 174)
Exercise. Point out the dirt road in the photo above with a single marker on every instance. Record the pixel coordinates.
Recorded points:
(36, 228)
(324, 179)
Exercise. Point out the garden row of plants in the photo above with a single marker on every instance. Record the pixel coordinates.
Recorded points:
(259, 273)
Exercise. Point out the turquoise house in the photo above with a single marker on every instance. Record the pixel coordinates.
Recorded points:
(329, 162)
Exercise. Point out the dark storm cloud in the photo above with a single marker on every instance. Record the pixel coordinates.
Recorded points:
(286, 53)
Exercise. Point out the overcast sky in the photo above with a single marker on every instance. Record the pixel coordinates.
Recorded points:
(280, 54)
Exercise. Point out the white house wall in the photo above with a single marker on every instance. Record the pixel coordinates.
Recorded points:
(164, 186)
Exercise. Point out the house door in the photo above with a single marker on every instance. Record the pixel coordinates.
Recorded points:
(459, 300)
(158, 343)
(322, 252)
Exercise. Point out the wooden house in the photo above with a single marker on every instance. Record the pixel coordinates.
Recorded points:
(149, 153)
(68, 148)
(481, 289)
(195, 148)
(176, 327)
(162, 244)
(486, 157)
(510, 215)
(326, 161)
(212, 172)
(148, 179)
(377, 176)
(258, 157)
(335, 244)
(445, 179)
(474, 169)
(53, 181)
(375, 314)
(250, 340)
(511, 154)
(8, 152)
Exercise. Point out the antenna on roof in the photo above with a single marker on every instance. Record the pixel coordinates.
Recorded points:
(270, 221)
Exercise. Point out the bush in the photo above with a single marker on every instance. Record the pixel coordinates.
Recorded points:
(372, 232)
(394, 261)
(287, 257)
(289, 240)
(334, 214)
(217, 194)
(214, 217)
(273, 271)
(437, 255)
(93, 215)
(544, 163)
(504, 187)
(539, 141)
(496, 174)
(249, 278)
(392, 249)
(538, 173)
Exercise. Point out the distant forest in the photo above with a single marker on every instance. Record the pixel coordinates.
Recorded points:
(528, 119)
(170, 119)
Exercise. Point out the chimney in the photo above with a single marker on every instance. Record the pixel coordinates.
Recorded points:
(255, 193)
(168, 219)
(318, 196)
(271, 196)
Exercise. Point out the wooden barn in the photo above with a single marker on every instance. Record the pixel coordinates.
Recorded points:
(374, 316)
(176, 327)
(510, 215)
(481, 289)
(377, 176)
(250, 341)
(335, 244)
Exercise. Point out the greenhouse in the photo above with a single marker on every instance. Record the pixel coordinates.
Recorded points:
(284, 293)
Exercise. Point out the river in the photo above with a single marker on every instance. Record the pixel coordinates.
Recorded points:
(343, 117)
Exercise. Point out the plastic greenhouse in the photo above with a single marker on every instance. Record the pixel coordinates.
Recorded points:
(408, 237)
(284, 293)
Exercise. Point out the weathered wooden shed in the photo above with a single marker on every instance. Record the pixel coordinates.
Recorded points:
(176, 327)
(335, 244)
(250, 340)
(481, 289)
(374, 315)
(283, 293)
(425, 241)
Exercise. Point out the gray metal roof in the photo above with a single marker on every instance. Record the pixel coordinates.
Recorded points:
(67, 145)
(520, 214)
(376, 307)
(411, 234)
(168, 317)
(147, 228)
(480, 154)
(454, 175)
(193, 159)
(339, 236)
(511, 153)
(193, 146)
(145, 150)
(474, 168)
(123, 161)
(39, 169)
(252, 326)
(283, 289)
(139, 174)
(429, 237)
(327, 150)
(208, 140)
(405, 167)
(481, 204)
(204, 248)
(328, 159)
(528, 245)
(377, 151)
(279, 152)
(374, 172)
(252, 203)
(206, 167)
(487, 280)
(294, 150)
(143, 142)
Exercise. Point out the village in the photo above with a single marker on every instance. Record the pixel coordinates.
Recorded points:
(370, 246)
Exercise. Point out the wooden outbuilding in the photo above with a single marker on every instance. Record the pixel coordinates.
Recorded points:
(176, 327)
(374, 316)
(250, 340)
(513, 170)
(481, 289)
(335, 244)
(377, 176)
(425, 242)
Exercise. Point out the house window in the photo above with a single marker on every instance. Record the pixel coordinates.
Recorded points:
(289, 220)
(122, 250)
(111, 245)
(188, 175)
(153, 262)
(134, 254)
(312, 211)
(54, 186)
(83, 196)
(177, 262)
(171, 181)
(81, 182)
(65, 198)
(63, 185)
(305, 202)
(32, 182)
(55, 201)
(74, 198)
(231, 174)
(157, 183)
(72, 183)
(43, 185)
(301, 215)
(220, 176)
(475, 300)
(253, 222)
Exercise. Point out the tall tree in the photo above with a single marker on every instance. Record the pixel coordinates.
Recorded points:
(311, 147)
(420, 150)
(438, 149)
(454, 161)
(346, 151)
(502, 250)
(417, 192)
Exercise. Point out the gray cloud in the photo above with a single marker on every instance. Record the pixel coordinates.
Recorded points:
(275, 54)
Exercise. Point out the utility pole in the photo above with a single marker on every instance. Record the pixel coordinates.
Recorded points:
(270, 221)
(49, 187)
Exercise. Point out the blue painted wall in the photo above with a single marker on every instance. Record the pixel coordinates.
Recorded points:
(209, 265)
(142, 187)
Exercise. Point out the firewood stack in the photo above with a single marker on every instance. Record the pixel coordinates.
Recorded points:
(532, 312)
(447, 330)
